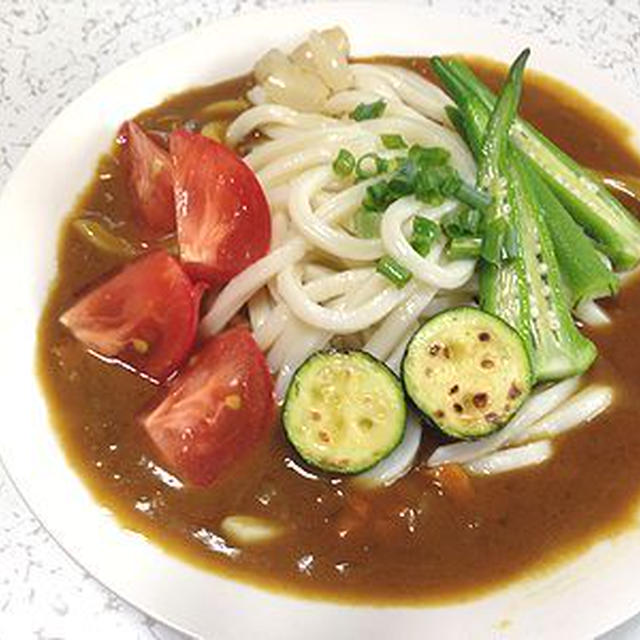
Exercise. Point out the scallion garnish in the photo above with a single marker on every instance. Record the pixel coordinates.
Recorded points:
(393, 271)
(462, 222)
(393, 141)
(367, 223)
(472, 196)
(368, 111)
(370, 165)
(462, 248)
(344, 163)
(428, 156)
(424, 233)
(493, 242)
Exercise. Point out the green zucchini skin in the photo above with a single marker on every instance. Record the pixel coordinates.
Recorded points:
(344, 411)
(467, 371)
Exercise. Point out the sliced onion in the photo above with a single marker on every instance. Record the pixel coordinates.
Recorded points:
(289, 84)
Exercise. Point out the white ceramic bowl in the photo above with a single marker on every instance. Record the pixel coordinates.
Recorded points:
(581, 599)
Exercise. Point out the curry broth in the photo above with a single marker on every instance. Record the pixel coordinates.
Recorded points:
(410, 543)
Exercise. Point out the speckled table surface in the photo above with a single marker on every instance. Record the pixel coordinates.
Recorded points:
(51, 51)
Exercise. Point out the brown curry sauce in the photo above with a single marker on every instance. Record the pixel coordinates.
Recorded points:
(413, 542)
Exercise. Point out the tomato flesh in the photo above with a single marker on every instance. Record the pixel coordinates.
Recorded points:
(144, 317)
(216, 410)
(223, 217)
(150, 178)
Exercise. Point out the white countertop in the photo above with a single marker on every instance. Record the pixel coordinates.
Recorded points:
(50, 52)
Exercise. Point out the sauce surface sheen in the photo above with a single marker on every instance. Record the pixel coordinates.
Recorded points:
(417, 544)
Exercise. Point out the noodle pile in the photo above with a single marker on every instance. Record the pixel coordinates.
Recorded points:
(319, 285)
(319, 281)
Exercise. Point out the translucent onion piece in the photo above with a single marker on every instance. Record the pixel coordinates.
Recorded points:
(330, 64)
(336, 37)
(511, 459)
(289, 84)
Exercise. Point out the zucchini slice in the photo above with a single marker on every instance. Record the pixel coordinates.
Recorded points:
(344, 411)
(467, 371)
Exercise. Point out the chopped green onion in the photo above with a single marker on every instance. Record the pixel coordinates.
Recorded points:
(344, 163)
(393, 271)
(367, 223)
(363, 171)
(376, 197)
(462, 248)
(393, 141)
(472, 196)
(368, 111)
(494, 239)
(428, 156)
(425, 232)
(462, 222)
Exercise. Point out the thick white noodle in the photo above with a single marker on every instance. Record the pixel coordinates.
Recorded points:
(238, 291)
(505, 460)
(428, 133)
(259, 309)
(307, 339)
(330, 285)
(393, 328)
(591, 313)
(457, 298)
(304, 341)
(426, 269)
(347, 101)
(278, 198)
(398, 463)
(412, 88)
(537, 406)
(581, 408)
(268, 332)
(394, 361)
(336, 321)
(333, 138)
(316, 231)
(258, 117)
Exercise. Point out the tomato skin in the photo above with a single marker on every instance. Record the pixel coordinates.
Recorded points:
(144, 317)
(150, 178)
(223, 218)
(216, 410)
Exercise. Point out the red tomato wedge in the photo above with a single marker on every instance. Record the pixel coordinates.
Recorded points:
(223, 217)
(145, 316)
(216, 410)
(150, 178)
